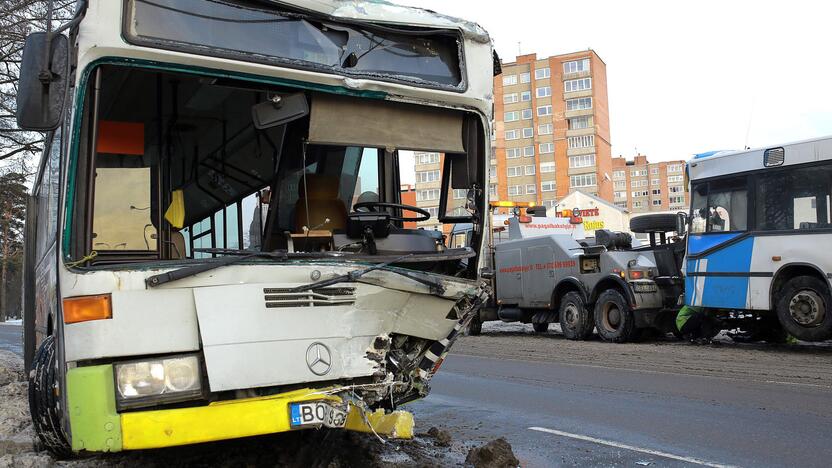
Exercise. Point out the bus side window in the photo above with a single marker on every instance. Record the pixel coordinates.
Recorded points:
(797, 199)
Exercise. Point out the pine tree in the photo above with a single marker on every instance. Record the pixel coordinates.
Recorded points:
(13, 193)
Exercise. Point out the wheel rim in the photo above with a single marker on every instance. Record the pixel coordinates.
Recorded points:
(571, 315)
(611, 316)
(806, 308)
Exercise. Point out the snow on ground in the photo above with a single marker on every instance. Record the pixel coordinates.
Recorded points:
(13, 322)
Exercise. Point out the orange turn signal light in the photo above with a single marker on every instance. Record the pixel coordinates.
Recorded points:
(86, 308)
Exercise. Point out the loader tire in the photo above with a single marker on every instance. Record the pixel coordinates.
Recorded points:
(45, 400)
(660, 222)
(613, 317)
(576, 321)
(803, 308)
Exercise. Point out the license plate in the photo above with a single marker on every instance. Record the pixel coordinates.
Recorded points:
(315, 414)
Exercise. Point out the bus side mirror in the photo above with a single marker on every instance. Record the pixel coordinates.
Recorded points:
(44, 77)
(681, 223)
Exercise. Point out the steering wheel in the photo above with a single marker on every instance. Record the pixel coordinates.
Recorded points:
(425, 215)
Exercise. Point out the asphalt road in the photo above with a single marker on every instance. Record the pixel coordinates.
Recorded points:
(11, 338)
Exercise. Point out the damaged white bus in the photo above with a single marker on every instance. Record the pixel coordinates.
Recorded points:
(216, 244)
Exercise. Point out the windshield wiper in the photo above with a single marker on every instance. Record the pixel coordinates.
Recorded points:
(185, 272)
(353, 276)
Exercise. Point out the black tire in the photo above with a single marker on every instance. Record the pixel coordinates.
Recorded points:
(660, 222)
(576, 321)
(475, 325)
(803, 308)
(44, 400)
(613, 318)
(541, 327)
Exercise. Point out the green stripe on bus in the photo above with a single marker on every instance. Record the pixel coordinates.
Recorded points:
(92, 409)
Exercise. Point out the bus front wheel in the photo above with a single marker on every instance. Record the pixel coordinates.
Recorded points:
(44, 400)
(803, 308)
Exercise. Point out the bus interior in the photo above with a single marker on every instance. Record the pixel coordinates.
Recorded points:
(176, 167)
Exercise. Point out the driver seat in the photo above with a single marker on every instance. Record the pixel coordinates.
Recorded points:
(323, 201)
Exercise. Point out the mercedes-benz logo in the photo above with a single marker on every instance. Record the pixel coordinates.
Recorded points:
(318, 358)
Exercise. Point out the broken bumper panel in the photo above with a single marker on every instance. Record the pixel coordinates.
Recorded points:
(97, 427)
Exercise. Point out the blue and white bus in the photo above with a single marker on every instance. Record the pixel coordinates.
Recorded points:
(760, 239)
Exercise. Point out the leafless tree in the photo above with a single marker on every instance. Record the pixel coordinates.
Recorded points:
(18, 18)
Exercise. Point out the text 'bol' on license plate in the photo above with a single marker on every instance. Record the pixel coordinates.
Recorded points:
(316, 413)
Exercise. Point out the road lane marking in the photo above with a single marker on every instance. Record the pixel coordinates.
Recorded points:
(611, 443)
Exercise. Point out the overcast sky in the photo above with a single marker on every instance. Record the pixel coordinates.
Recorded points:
(683, 77)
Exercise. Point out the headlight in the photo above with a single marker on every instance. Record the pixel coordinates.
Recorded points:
(143, 383)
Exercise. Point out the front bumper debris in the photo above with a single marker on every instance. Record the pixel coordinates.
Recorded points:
(97, 427)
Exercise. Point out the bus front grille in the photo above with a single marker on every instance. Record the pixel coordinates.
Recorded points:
(320, 297)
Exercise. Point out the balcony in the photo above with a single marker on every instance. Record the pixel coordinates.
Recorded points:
(576, 75)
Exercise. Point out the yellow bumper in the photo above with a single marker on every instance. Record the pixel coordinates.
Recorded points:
(244, 418)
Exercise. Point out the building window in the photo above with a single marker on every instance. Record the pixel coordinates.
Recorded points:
(492, 172)
(657, 202)
(427, 176)
(512, 134)
(676, 189)
(525, 77)
(584, 160)
(460, 193)
(621, 204)
(492, 190)
(514, 190)
(618, 174)
(547, 167)
(577, 85)
(512, 153)
(531, 189)
(656, 191)
(529, 170)
(620, 184)
(638, 204)
(547, 186)
(542, 73)
(544, 110)
(528, 151)
(511, 116)
(638, 172)
(526, 114)
(640, 193)
(434, 212)
(584, 141)
(550, 203)
(654, 170)
(544, 91)
(545, 148)
(427, 195)
(509, 80)
(576, 66)
(510, 98)
(655, 182)
(577, 123)
(528, 132)
(515, 171)
(676, 200)
(674, 168)
(526, 96)
(545, 129)
(583, 180)
(427, 158)
(579, 103)
(641, 183)
(620, 194)
(675, 178)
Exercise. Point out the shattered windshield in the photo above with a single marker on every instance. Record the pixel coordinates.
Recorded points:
(252, 31)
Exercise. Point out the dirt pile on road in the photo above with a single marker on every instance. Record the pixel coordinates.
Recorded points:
(495, 454)
(16, 433)
(441, 437)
